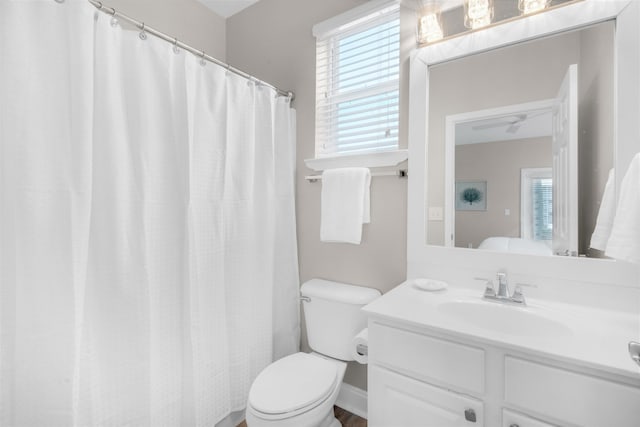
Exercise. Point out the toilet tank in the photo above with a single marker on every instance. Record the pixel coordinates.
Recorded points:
(333, 316)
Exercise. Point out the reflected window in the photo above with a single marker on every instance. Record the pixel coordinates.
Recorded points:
(542, 194)
(536, 198)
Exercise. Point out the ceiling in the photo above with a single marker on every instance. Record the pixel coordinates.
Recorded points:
(227, 8)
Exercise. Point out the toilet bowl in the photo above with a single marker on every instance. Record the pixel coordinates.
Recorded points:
(300, 390)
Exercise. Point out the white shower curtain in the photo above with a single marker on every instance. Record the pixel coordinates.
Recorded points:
(148, 266)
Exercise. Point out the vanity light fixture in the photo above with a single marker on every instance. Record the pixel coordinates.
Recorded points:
(430, 23)
(433, 15)
(532, 6)
(478, 13)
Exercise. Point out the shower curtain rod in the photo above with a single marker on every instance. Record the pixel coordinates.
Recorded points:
(174, 41)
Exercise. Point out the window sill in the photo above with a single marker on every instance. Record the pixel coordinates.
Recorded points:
(368, 160)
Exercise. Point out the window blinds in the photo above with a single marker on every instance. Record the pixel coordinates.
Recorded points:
(357, 69)
(542, 205)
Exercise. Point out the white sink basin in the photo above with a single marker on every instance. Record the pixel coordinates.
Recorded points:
(506, 319)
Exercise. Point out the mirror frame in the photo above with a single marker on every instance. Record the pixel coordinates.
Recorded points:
(451, 263)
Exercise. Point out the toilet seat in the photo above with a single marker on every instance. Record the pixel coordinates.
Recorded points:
(292, 385)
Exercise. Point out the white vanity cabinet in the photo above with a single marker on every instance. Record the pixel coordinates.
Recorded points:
(421, 377)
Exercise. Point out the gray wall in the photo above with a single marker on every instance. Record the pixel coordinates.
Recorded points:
(272, 40)
(191, 22)
(498, 163)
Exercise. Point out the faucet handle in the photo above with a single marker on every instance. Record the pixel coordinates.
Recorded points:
(489, 291)
(518, 296)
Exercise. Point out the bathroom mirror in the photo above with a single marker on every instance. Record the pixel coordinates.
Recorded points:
(613, 25)
(538, 187)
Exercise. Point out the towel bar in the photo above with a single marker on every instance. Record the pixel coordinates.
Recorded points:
(402, 173)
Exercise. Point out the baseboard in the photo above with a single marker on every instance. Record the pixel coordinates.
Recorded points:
(232, 420)
(352, 399)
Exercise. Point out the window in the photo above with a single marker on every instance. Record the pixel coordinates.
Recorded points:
(536, 204)
(357, 75)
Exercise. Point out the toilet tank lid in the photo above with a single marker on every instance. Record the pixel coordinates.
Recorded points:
(338, 292)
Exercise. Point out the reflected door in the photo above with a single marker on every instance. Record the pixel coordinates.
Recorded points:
(565, 165)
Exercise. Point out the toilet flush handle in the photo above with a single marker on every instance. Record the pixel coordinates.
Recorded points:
(305, 299)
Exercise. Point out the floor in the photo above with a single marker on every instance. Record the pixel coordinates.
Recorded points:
(347, 419)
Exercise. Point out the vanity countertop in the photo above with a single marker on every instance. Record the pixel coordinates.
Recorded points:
(582, 335)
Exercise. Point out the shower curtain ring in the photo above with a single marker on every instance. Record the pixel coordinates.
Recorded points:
(175, 46)
(202, 61)
(143, 34)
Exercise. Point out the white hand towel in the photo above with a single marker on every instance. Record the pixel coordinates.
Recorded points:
(624, 243)
(345, 204)
(606, 214)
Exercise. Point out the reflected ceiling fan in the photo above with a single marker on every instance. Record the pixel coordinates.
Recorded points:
(512, 123)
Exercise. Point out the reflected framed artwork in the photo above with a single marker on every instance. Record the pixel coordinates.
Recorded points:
(471, 195)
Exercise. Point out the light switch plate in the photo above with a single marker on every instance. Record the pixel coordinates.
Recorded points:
(436, 213)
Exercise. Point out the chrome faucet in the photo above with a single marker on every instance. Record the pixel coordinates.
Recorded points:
(503, 286)
(503, 295)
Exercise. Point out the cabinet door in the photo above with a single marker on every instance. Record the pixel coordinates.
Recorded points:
(513, 419)
(399, 401)
(574, 398)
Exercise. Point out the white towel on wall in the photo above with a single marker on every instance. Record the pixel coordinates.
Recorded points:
(606, 214)
(345, 204)
(624, 243)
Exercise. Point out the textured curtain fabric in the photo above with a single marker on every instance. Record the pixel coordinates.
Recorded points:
(148, 261)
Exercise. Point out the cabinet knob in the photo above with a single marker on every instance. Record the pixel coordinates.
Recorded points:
(470, 415)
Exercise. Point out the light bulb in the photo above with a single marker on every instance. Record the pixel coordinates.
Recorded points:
(478, 13)
(531, 6)
(429, 28)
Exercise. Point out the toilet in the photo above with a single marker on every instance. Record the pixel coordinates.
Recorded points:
(300, 390)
